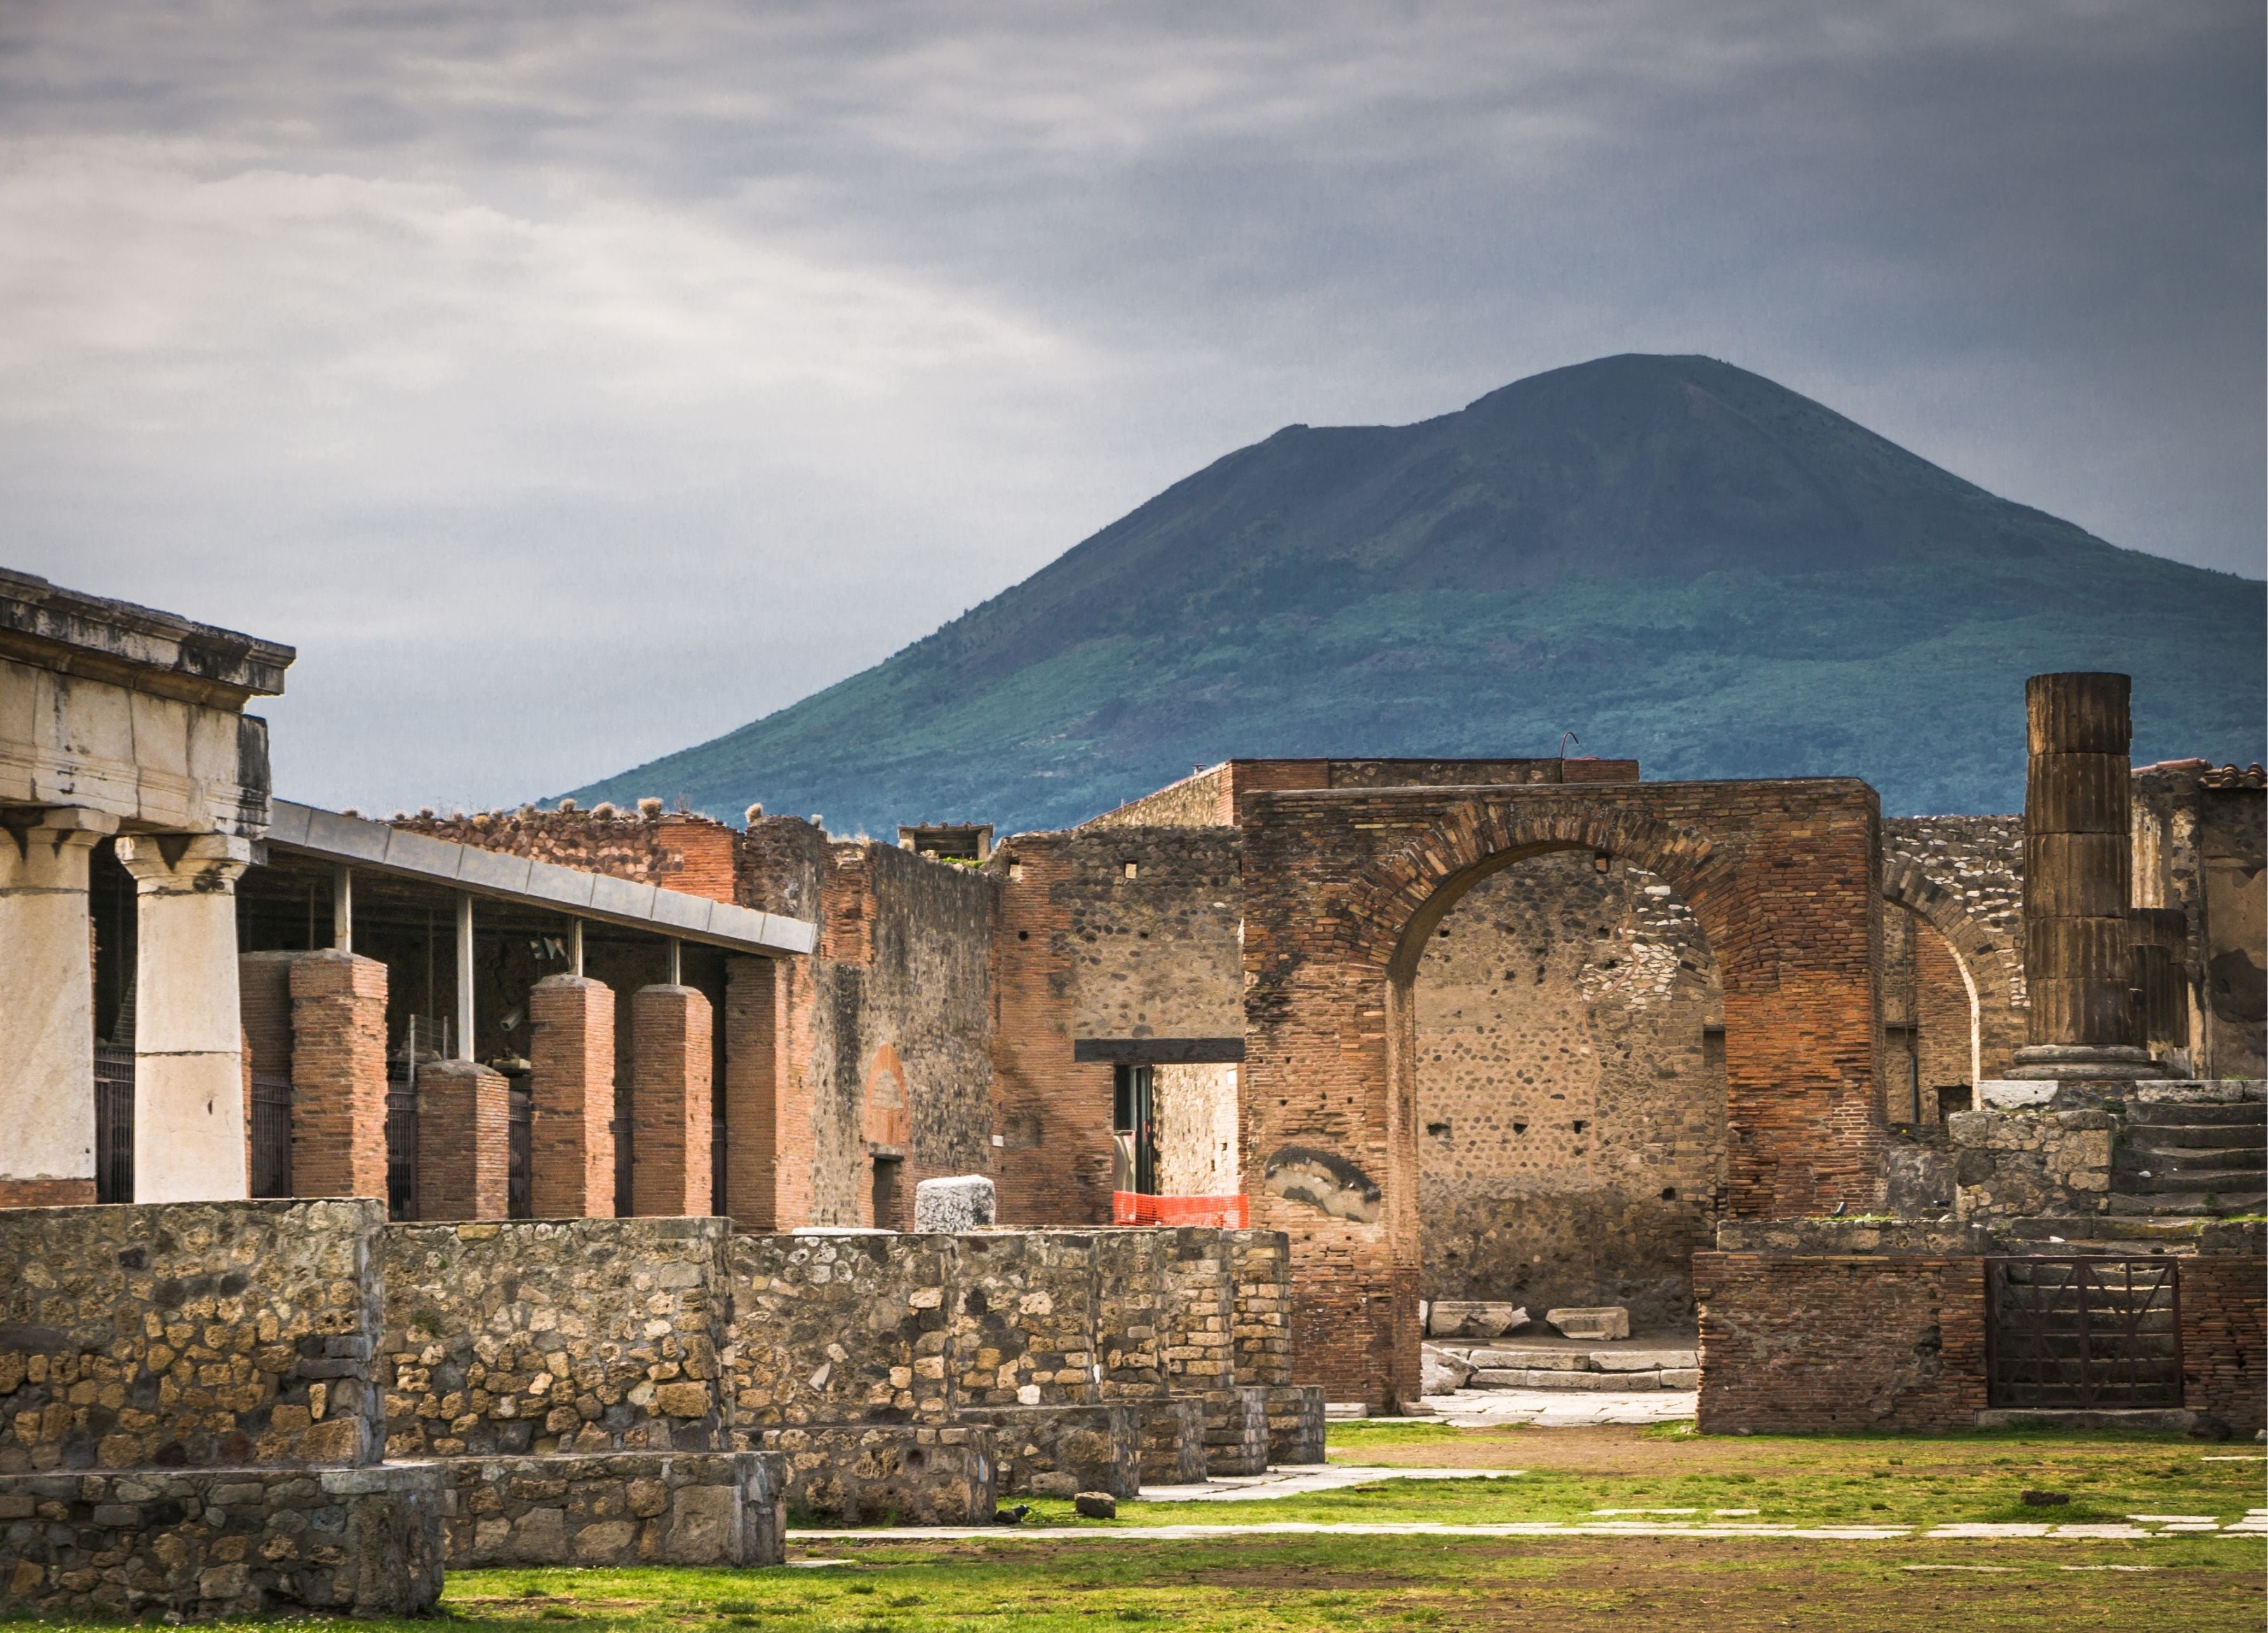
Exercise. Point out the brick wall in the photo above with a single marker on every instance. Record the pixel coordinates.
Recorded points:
(1085, 950)
(2225, 1340)
(1571, 1098)
(676, 851)
(338, 1075)
(1343, 888)
(463, 1142)
(671, 1061)
(1839, 1343)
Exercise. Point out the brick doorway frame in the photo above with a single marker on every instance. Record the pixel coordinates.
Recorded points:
(1342, 889)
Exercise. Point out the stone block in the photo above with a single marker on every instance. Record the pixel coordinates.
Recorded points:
(1236, 1431)
(1521, 1378)
(1440, 1372)
(1059, 1450)
(917, 1474)
(225, 1543)
(1601, 1321)
(1533, 1360)
(951, 1206)
(622, 1508)
(1295, 1423)
(1639, 1360)
(1172, 1430)
(1681, 1377)
(1095, 1505)
(1468, 1317)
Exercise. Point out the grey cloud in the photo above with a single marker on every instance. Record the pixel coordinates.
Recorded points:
(583, 379)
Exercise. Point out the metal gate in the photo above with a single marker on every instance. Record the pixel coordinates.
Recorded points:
(271, 1134)
(718, 1151)
(625, 1160)
(520, 1172)
(2083, 1332)
(113, 1122)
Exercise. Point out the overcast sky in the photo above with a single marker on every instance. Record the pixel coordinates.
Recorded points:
(572, 383)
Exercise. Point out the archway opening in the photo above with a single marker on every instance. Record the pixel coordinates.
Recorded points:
(1932, 1037)
(1562, 1024)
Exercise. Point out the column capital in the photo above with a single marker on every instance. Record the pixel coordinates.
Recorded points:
(62, 822)
(200, 862)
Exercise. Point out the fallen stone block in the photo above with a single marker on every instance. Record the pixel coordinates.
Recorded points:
(1603, 1321)
(1440, 1372)
(1681, 1377)
(1471, 1318)
(1095, 1505)
(619, 1508)
(951, 1206)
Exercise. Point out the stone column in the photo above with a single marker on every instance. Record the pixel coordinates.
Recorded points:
(464, 1141)
(670, 1044)
(2077, 868)
(188, 1044)
(338, 1076)
(572, 1141)
(47, 1011)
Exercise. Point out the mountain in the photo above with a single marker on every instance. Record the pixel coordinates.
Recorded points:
(1676, 559)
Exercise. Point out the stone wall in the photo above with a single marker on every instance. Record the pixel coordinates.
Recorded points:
(1088, 949)
(208, 1543)
(615, 1509)
(2011, 1164)
(1195, 1107)
(543, 1335)
(187, 1335)
(1963, 876)
(912, 1473)
(1802, 1344)
(837, 1329)
(1571, 1091)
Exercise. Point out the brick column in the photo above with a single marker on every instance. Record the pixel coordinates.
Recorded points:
(47, 1013)
(2078, 873)
(572, 1138)
(670, 1044)
(464, 1135)
(188, 1043)
(754, 1023)
(338, 1076)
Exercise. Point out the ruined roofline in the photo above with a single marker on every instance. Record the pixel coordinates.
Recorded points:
(1231, 779)
(139, 647)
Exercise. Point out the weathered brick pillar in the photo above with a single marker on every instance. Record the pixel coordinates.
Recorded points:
(754, 1023)
(572, 1138)
(464, 1134)
(338, 1076)
(670, 1044)
(2078, 871)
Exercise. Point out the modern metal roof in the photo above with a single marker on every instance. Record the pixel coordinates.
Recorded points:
(354, 842)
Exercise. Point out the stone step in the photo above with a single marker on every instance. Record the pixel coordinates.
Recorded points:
(2190, 1179)
(2197, 1117)
(2190, 1204)
(1543, 1378)
(2205, 1135)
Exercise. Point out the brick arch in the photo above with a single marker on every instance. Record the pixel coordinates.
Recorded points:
(1990, 963)
(1398, 899)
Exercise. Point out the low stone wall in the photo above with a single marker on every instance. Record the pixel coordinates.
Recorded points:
(1060, 1451)
(1260, 1269)
(2225, 1340)
(913, 1473)
(2008, 1164)
(1024, 1319)
(538, 1336)
(837, 1329)
(1801, 1342)
(209, 1542)
(187, 1335)
(1171, 1430)
(1236, 1429)
(620, 1508)
(1295, 1423)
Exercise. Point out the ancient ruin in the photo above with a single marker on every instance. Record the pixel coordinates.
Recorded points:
(603, 1185)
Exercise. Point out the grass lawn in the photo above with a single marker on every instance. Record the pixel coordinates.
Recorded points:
(1048, 1579)
(1808, 1479)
